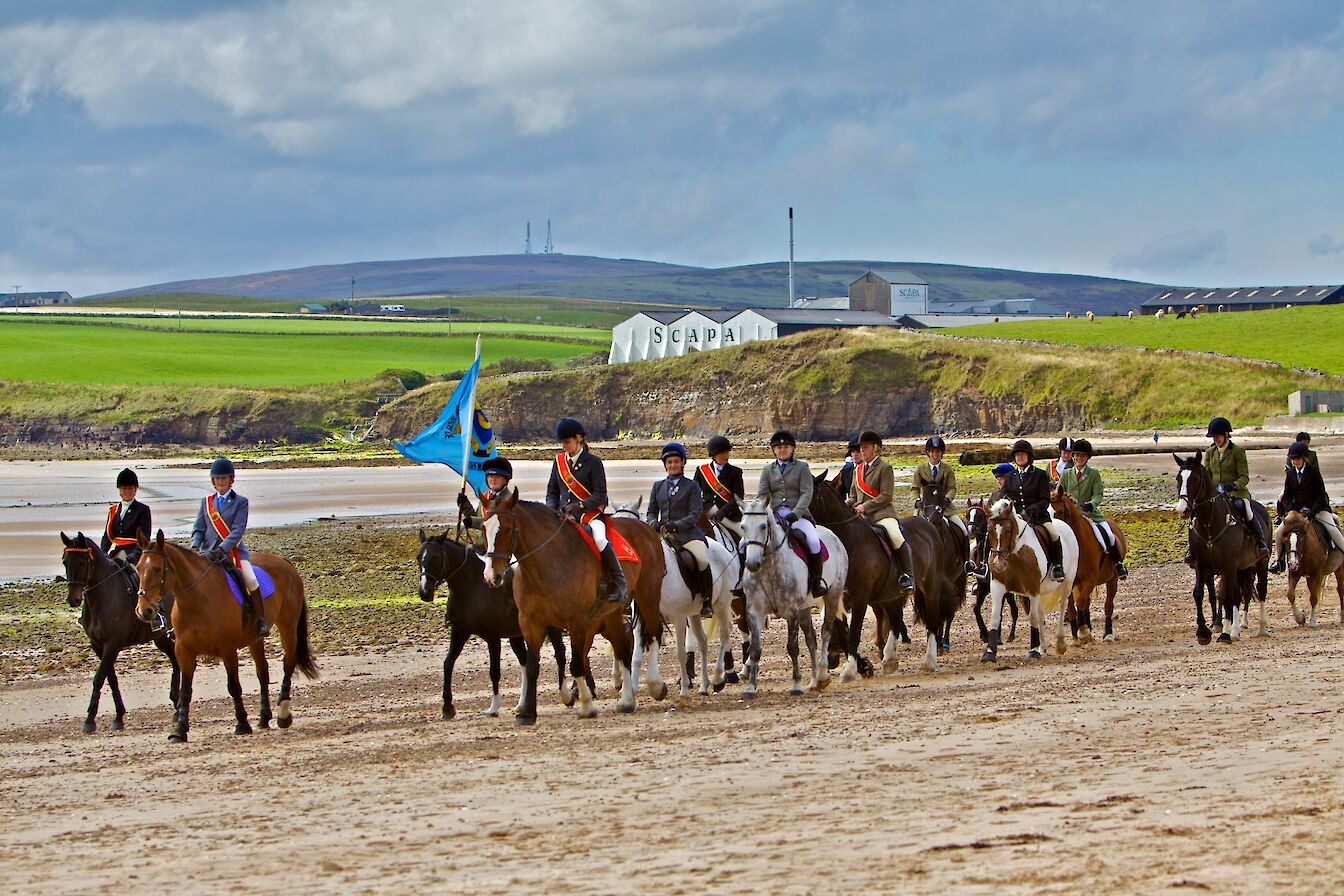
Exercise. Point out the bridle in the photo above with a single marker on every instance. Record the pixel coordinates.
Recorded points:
(512, 514)
(1194, 506)
(994, 524)
(434, 582)
(768, 546)
(84, 587)
(164, 593)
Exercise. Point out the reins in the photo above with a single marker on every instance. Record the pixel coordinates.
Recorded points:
(164, 593)
(513, 539)
(116, 570)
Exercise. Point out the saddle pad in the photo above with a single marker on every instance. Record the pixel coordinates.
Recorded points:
(882, 539)
(263, 579)
(801, 551)
(624, 550)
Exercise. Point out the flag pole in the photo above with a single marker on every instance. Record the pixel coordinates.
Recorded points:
(471, 420)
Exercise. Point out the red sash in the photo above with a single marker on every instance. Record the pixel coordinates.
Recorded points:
(624, 549)
(863, 486)
(111, 517)
(576, 488)
(221, 528)
(715, 485)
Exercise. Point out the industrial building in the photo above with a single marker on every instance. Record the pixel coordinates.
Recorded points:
(34, 299)
(1242, 298)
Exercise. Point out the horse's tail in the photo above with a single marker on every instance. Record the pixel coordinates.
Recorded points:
(304, 660)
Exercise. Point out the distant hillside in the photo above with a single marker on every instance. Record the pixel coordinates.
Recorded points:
(629, 280)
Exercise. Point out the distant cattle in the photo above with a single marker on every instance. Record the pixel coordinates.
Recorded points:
(1180, 315)
(1131, 314)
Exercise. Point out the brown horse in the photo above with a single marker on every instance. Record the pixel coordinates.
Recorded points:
(207, 621)
(1095, 567)
(555, 586)
(1313, 557)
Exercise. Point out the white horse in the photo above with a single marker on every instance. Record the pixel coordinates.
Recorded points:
(681, 606)
(775, 583)
(1017, 564)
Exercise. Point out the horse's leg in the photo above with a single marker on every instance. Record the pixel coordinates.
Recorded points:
(1314, 589)
(519, 647)
(1298, 616)
(891, 661)
(797, 688)
(1339, 592)
(858, 609)
(996, 594)
(258, 650)
(1225, 584)
(119, 720)
(752, 661)
(527, 705)
(1111, 586)
(1012, 607)
(819, 668)
(698, 630)
(230, 663)
(175, 681)
(1072, 614)
(1261, 586)
(1202, 632)
(182, 716)
(456, 641)
(492, 645)
(982, 592)
(1036, 618)
(901, 628)
(821, 665)
(724, 665)
(679, 638)
(1061, 647)
(580, 643)
(106, 656)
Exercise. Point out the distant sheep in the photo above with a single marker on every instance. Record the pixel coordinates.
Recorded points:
(1068, 314)
(1131, 314)
(1091, 316)
(1180, 315)
(1160, 314)
(1221, 309)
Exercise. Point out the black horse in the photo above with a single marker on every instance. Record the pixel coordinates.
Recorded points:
(1223, 547)
(102, 589)
(956, 549)
(977, 524)
(474, 608)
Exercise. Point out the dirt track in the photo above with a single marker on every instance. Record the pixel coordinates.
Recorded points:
(1148, 765)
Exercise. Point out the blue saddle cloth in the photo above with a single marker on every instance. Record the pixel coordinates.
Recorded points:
(263, 579)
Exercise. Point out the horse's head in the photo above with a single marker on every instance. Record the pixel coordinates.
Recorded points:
(1062, 503)
(932, 502)
(1293, 536)
(433, 562)
(501, 534)
(757, 532)
(626, 508)
(828, 505)
(977, 522)
(78, 561)
(1194, 485)
(153, 570)
(1001, 533)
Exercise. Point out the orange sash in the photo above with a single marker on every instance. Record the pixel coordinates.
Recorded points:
(623, 548)
(111, 517)
(221, 528)
(863, 486)
(715, 485)
(576, 488)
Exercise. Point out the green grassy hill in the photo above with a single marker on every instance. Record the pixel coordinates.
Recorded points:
(1293, 337)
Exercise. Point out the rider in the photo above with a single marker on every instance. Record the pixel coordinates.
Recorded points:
(1083, 484)
(1000, 476)
(871, 497)
(578, 489)
(218, 533)
(786, 485)
(721, 486)
(1305, 439)
(934, 472)
(125, 521)
(852, 460)
(1057, 466)
(1226, 463)
(498, 473)
(979, 565)
(1304, 491)
(1028, 487)
(674, 509)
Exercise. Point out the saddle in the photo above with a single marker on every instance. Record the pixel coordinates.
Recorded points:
(624, 549)
(799, 545)
(883, 539)
(1042, 533)
(128, 572)
(1322, 531)
(687, 567)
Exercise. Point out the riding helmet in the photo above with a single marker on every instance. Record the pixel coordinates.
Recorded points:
(221, 467)
(1299, 449)
(1303, 437)
(783, 437)
(868, 437)
(568, 428)
(718, 445)
(1003, 469)
(127, 477)
(498, 466)
(852, 446)
(934, 443)
(1082, 446)
(1023, 445)
(1066, 444)
(1219, 426)
(673, 449)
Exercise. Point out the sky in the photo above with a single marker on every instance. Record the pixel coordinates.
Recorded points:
(1191, 143)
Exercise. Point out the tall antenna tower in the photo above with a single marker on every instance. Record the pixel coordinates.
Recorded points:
(527, 241)
(549, 246)
(790, 256)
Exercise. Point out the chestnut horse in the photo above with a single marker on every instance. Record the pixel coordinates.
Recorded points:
(1095, 567)
(208, 621)
(555, 586)
(103, 593)
(1313, 557)
(1017, 563)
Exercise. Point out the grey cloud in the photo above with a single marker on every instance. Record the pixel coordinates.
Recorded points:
(1325, 244)
(1174, 254)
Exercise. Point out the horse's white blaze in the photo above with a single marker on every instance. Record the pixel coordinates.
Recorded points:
(491, 528)
(424, 583)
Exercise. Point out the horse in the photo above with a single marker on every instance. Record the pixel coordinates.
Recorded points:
(956, 551)
(1313, 557)
(1095, 568)
(716, 531)
(555, 586)
(775, 582)
(1223, 547)
(474, 608)
(977, 525)
(106, 601)
(683, 607)
(207, 621)
(1017, 563)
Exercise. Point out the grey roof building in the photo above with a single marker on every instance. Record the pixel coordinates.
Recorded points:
(1244, 298)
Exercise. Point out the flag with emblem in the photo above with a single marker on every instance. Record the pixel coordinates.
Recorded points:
(461, 438)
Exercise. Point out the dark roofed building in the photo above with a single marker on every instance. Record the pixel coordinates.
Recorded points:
(35, 299)
(1244, 298)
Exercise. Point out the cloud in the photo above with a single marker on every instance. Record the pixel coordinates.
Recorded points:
(1325, 244)
(1174, 254)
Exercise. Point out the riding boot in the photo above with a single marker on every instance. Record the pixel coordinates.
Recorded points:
(814, 583)
(616, 589)
(905, 561)
(1278, 566)
(1261, 546)
(1055, 554)
(736, 590)
(263, 627)
(705, 585)
(1121, 571)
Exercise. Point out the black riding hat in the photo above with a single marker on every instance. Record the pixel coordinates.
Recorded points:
(852, 446)
(568, 428)
(127, 477)
(1082, 446)
(1023, 445)
(1299, 449)
(869, 437)
(1219, 426)
(934, 443)
(1303, 437)
(497, 466)
(783, 437)
(718, 445)
(221, 467)
(1066, 444)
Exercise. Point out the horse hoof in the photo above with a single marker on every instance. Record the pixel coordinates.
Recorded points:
(659, 692)
(1203, 636)
(265, 723)
(989, 656)
(1034, 654)
(719, 685)
(890, 666)
(1301, 618)
(731, 678)
(242, 728)
(823, 683)
(89, 727)
(449, 712)
(492, 713)
(1311, 624)
(620, 707)
(592, 713)
(118, 724)
(795, 691)
(1110, 637)
(1224, 638)
(284, 721)
(524, 720)
(177, 737)
(944, 649)
(748, 695)
(570, 695)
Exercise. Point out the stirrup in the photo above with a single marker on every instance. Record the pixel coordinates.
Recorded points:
(1121, 571)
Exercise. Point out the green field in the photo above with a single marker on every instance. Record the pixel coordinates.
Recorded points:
(49, 352)
(1293, 337)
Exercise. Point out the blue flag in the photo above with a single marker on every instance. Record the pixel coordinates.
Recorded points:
(444, 441)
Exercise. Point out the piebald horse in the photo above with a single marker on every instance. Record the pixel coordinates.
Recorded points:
(1095, 567)
(977, 527)
(555, 586)
(1311, 557)
(1017, 563)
